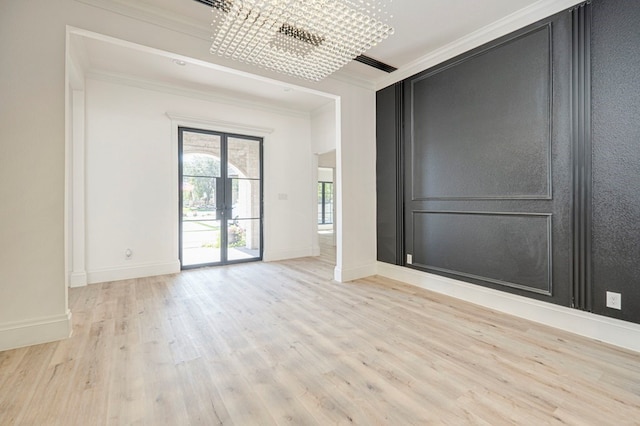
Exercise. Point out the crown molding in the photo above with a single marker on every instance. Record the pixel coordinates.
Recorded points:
(519, 19)
(210, 96)
(343, 77)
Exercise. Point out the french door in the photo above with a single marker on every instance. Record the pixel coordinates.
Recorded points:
(220, 177)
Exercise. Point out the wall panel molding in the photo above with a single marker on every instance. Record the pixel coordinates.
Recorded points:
(582, 174)
(493, 241)
(390, 174)
(505, 145)
(400, 251)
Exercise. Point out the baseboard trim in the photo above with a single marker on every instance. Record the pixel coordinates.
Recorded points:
(78, 279)
(134, 271)
(345, 275)
(609, 330)
(35, 331)
(275, 255)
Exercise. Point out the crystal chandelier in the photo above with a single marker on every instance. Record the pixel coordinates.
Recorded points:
(304, 38)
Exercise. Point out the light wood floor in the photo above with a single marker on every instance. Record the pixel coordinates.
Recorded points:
(280, 343)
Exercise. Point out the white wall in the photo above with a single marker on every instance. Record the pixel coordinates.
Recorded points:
(356, 186)
(323, 129)
(33, 298)
(131, 178)
(130, 182)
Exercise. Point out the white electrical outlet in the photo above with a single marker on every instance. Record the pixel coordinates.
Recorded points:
(409, 259)
(614, 300)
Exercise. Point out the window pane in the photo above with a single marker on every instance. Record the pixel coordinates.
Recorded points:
(243, 239)
(200, 242)
(243, 158)
(201, 153)
(246, 199)
(198, 198)
(325, 202)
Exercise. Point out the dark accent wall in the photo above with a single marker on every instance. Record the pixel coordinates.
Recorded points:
(521, 167)
(488, 149)
(615, 100)
(389, 180)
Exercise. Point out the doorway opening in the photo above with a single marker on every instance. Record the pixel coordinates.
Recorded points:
(220, 200)
(326, 207)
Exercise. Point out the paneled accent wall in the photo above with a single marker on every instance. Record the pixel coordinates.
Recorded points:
(521, 162)
(488, 147)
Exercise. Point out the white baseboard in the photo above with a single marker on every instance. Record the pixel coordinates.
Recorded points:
(133, 271)
(35, 331)
(78, 279)
(275, 255)
(616, 332)
(343, 275)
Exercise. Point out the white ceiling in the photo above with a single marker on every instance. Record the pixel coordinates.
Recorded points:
(421, 28)
(142, 65)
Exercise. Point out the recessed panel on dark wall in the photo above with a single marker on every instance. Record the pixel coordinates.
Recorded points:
(508, 249)
(481, 127)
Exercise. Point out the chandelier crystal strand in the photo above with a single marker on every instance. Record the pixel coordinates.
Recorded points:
(306, 38)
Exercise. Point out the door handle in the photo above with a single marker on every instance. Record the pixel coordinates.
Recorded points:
(228, 197)
(219, 199)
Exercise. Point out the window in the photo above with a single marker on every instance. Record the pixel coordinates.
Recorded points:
(325, 203)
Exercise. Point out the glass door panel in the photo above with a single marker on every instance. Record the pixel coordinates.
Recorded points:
(200, 219)
(244, 166)
(246, 199)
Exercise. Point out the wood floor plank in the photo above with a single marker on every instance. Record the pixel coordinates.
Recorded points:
(281, 343)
